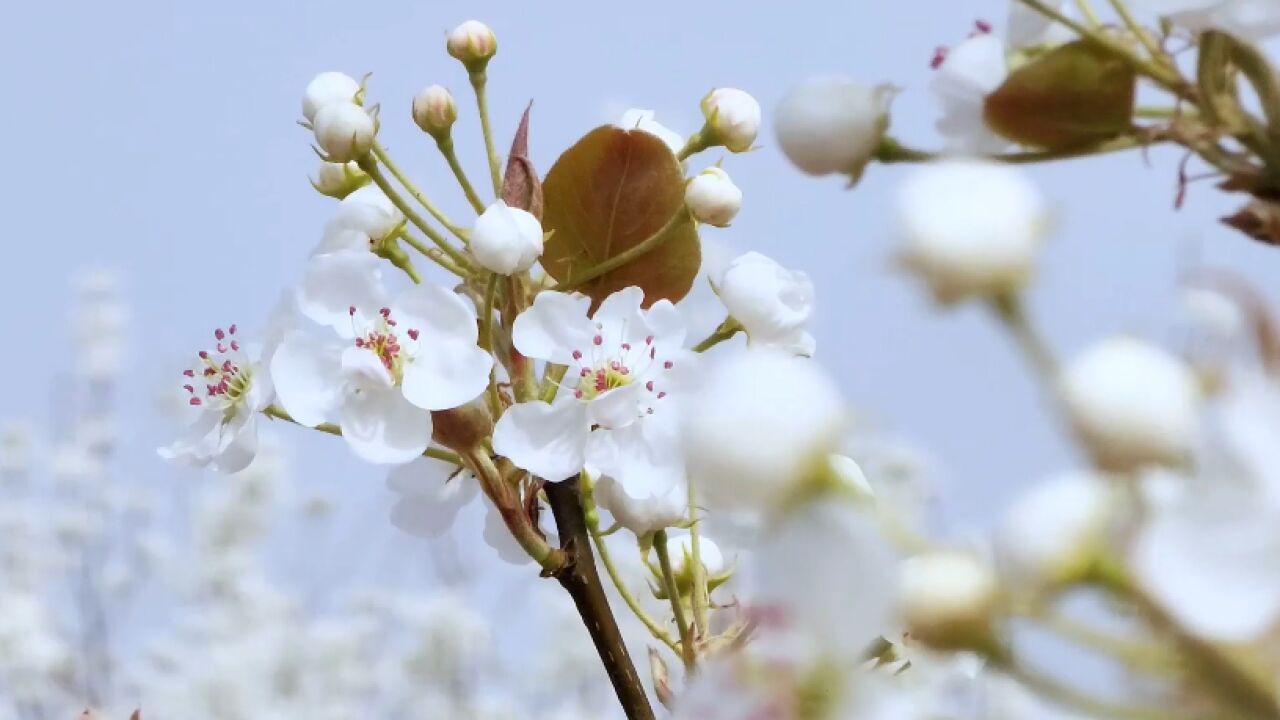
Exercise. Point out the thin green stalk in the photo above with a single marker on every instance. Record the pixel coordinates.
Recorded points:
(433, 254)
(445, 144)
(673, 593)
(725, 331)
(552, 374)
(696, 143)
(370, 166)
(486, 341)
(385, 158)
(602, 549)
(701, 613)
(1069, 697)
(1131, 653)
(1086, 10)
(279, 413)
(891, 151)
(1137, 30)
(478, 81)
(635, 251)
(1009, 309)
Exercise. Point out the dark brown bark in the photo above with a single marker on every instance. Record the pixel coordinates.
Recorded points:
(579, 578)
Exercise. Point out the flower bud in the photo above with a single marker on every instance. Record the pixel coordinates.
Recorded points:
(850, 475)
(1054, 532)
(506, 240)
(758, 424)
(435, 111)
(326, 88)
(680, 549)
(344, 131)
(1132, 404)
(462, 428)
(773, 304)
(338, 180)
(947, 598)
(472, 43)
(970, 228)
(733, 117)
(832, 125)
(712, 197)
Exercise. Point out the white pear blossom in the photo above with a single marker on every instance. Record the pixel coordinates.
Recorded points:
(472, 42)
(328, 88)
(733, 116)
(1210, 546)
(680, 548)
(642, 506)
(759, 421)
(616, 414)
(344, 131)
(1252, 19)
(966, 74)
(430, 494)
(338, 180)
(226, 389)
(434, 110)
(506, 240)
(970, 228)
(364, 216)
(772, 303)
(1132, 404)
(947, 597)
(712, 197)
(643, 120)
(832, 124)
(1056, 530)
(401, 359)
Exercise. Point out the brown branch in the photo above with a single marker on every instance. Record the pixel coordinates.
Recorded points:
(579, 578)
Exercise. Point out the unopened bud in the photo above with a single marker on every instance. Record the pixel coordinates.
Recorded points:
(344, 131)
(1054, 533)
(733, 117)
(506, 240)
(712, 197)
(947, 599)
(472, 43)
(831, 125)
(326, 88)
(338, 180)
(462, 428)
(435, 111)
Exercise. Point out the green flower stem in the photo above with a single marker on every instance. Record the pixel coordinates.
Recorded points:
(630, 254)
(1131, 653)
(486, 341)
(700, 601)
(385, 158)
(370, 166)
(478, 80)
(433, 254)
(673, 594)
(1051, 689)
(1136, 29)
(726, 331)
(277, 412)
(696, 143)
(1088, 13)
(1163, 75)
(552, 374)
(606, 559)
(445, 144)
(1012, 315)
(507, 500)
(891, 151)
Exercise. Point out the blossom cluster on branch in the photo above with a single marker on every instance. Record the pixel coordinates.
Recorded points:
(538, 356)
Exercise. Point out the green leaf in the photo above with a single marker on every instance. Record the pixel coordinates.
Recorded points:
(609, 192)
(1076, 94)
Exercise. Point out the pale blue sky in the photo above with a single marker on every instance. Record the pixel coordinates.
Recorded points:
(159, 138)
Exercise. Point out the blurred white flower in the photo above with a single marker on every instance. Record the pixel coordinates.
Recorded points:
(772, 303)
(430, 494)
(1055, 531)
(733, 116)
(616, 414)
(1251, 19)
(832, 124)
(325, 89)
(712, 198)
(850, 473)
(643, 506)
(1132, 404)
(758, 422)
(970, 228)
(637, 119)
(966, 74)
(947, 597)
(506, 240)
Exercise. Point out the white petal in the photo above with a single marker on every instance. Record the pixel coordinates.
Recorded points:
(337, 238)
(240, 444)
(437, 313)
(666, 324)
(498, 537)
(307, 377)
(433, 491)
(547, 440)
(553, 327)
(382, 427)
(619, 318)
(363, 369)
(618, 407)
(333, 284)
(197, 442)
(644, 486)
(637, 119)
(446, 375)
